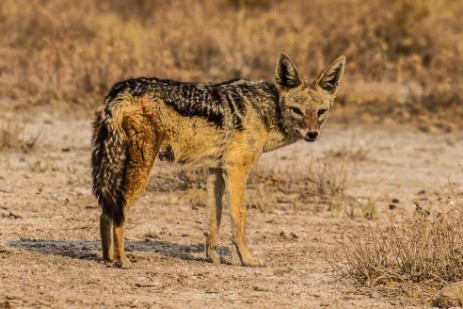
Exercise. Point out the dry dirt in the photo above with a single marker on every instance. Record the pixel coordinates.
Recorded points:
(49, 239)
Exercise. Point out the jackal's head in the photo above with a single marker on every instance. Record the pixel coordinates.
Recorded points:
(305, 104)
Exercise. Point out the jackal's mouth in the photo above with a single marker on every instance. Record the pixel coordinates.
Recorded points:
(300, 133)
(308, 137)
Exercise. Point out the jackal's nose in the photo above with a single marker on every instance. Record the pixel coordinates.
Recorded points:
(312, 135)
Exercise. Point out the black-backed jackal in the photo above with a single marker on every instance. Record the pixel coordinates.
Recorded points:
(224, 127)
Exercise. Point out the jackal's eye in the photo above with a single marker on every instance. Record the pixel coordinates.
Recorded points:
(297, 111)
(321, 111)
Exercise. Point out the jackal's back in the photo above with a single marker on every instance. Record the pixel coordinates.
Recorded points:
(224, 105)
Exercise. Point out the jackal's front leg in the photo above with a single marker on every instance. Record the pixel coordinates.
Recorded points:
(236, 183)
(215, 190)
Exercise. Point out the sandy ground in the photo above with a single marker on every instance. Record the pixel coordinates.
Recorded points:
(49, 238)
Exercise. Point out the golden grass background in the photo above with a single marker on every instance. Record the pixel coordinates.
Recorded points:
(404, 56)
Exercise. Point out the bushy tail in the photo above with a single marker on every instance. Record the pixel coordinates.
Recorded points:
(109, 157)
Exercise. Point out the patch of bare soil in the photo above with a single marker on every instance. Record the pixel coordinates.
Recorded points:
(49, 237)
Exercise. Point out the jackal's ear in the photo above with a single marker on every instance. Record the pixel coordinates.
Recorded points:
(286, 76)
(330, 78)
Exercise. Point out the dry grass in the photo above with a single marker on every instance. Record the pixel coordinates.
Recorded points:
(318, 187)
(63, 52)
(349, 154)
(12, 136)
(168, 177)
(415, 258)
(9, 137)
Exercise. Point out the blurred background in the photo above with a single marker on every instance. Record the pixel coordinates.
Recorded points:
(404, 57)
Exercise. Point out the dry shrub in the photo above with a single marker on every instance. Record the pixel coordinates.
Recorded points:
(57, 52)
(9, 136)
(319, 187)
(415, 258)
(348, 153)
(167, 178)
(12, 136)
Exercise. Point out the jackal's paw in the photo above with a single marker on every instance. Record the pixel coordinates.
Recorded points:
(108, 263)
(252, 262)
(213, 256)
(124, 264)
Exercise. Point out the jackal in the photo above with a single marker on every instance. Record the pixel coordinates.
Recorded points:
(224, 127)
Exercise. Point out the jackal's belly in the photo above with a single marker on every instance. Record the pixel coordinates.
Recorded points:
(200, 155)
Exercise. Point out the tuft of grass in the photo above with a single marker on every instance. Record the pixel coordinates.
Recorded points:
(12, 137)
(353, 155)
(330, 181)
(167, 177)
(197, 196)
(415, 258)
(354, 207)
(9, 137)
(320, 186)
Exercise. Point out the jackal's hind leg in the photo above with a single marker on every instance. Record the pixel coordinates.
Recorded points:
(143, 147)
(215, 190)
(120, 258)
(106, 238)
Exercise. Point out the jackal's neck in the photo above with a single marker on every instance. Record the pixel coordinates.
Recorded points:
(270, 110)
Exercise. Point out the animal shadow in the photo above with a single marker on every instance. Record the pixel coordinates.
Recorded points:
(86, 250)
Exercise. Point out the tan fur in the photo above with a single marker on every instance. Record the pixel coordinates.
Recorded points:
(148, 126)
